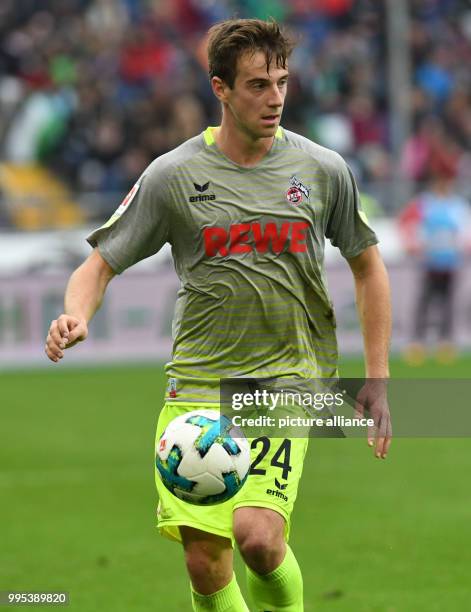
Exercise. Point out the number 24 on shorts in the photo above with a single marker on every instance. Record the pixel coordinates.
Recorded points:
(280, 459)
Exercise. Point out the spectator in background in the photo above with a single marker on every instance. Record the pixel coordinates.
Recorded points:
(435, 226)
(66, 67)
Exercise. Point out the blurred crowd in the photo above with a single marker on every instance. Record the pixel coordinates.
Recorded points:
(96, 89)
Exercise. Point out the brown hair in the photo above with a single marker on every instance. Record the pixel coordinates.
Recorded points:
(230, 39)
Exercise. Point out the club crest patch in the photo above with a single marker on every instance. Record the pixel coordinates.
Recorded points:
(294, 195)
(296, 191)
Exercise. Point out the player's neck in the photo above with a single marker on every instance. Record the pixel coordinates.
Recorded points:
(240, 147)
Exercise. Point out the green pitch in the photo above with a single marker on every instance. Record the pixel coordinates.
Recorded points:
(77, 503)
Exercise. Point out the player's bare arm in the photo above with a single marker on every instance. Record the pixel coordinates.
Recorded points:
(83, 297)
(374, 309)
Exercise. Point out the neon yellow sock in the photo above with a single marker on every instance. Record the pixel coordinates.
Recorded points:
(228, 599)
(279, 591)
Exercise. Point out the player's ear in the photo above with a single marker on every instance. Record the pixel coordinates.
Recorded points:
(219, 88)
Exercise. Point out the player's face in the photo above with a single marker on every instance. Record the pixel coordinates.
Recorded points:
(256, 100)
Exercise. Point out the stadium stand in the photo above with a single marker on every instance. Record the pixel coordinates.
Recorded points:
(93, 90)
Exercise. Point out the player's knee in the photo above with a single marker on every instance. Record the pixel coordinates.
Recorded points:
(258, 552)
(261, 550)
(260, 537)
(259, 532)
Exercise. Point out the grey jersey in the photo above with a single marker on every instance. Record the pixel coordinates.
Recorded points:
(248, 247)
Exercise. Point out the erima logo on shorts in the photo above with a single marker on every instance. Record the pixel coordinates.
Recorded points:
(277, 494)
(202, 197)
(279, 485)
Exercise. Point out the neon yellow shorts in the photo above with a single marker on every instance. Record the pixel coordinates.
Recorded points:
(276, 467)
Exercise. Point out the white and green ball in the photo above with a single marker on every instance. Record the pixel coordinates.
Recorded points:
(202, 458)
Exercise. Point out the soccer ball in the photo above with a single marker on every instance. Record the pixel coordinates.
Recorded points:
(202, 458)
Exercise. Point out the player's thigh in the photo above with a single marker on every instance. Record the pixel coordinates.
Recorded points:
(199, 543)
(208, 557)
(173, 513)
(276, 468)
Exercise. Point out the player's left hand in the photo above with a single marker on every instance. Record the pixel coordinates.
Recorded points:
(372, 399)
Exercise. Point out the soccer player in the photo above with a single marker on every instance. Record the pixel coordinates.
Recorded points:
(246, 207)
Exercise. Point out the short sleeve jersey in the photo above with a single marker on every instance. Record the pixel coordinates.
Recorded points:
(248, 247)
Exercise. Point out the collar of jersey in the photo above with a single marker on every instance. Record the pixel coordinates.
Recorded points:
(211, 142)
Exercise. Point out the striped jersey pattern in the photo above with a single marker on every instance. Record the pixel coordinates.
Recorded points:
(248, 246)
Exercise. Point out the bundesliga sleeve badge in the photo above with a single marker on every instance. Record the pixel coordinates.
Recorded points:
(127, 200)
(123, 206)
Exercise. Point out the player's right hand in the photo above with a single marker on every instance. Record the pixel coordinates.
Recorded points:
(64, 333)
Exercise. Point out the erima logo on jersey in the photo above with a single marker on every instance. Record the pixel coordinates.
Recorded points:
(202, 197)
